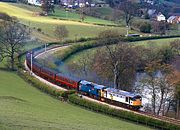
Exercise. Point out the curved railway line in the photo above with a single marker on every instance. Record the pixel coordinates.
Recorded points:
(56, 48)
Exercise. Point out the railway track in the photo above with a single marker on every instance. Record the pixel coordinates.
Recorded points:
(56, 48)
(164, 118)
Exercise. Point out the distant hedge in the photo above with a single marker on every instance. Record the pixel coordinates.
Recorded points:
(133, 39)
(110, 41)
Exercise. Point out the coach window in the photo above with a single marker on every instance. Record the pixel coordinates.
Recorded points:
(126, 99)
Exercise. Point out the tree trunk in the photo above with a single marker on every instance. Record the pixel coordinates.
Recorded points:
(116, 76)
(153, 102)
(153, 96)
(162, 96)
(177, 108)
(167, 109)
(12, 60)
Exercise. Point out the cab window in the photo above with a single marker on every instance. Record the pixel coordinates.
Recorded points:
(126, 99)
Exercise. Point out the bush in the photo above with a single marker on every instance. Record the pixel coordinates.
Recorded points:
(145, 27)
(39, 29)
(65, 94)
(109, 34)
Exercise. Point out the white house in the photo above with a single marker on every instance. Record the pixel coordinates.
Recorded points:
(160, 17)
(80, 3)
(173, 19)
(35, 2)
(149, 1)
(170, 19)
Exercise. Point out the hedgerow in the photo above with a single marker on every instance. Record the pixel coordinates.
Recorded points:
(122, 114)
(42, 86)
(109, 41)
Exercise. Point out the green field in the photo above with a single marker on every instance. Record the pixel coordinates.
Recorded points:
(24, 107)
(48, 24)
(61, 13)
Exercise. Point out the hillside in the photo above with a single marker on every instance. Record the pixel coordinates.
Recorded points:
(48, 24)
(24, 107)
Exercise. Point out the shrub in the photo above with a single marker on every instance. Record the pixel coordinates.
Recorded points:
(65, 94)
(145, 27)
(39, 29)
(110, 34)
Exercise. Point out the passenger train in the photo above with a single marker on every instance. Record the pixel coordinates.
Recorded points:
(100, 92)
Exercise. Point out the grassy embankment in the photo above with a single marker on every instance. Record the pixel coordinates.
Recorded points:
(24, 107)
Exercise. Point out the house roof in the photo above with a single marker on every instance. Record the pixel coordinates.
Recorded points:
(160, 15)
(171, 18)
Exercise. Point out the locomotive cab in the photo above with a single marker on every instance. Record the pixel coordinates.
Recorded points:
(136, 101)
(91, 89)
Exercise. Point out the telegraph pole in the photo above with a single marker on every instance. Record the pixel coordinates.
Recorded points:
(127, 30)
(31, 61)
(45, 48)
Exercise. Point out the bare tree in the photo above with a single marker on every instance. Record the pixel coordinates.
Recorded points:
(82, 12)
(175, 45)
(158, 87)
(82, 67)
(117, 63)
(1, 54)
(13, 36)
(130, 9)
(47, 6)
(160, 27)
(61, 32)
(174, 80)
